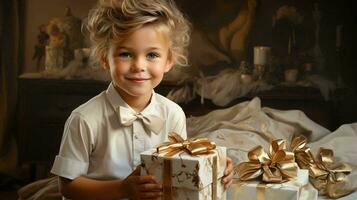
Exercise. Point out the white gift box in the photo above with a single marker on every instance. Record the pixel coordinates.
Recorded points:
(191, 175)
(295, 189)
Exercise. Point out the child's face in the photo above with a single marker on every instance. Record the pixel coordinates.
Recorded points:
(138, 63)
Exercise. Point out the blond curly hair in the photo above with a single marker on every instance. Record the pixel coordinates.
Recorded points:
(113, 20)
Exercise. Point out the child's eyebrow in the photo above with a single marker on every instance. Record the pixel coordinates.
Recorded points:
(153, 48)
(122, 47)
(132, 49)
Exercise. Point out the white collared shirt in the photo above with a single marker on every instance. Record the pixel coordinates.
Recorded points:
(96, 145)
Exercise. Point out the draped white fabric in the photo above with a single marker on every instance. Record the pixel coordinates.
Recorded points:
(247, 125)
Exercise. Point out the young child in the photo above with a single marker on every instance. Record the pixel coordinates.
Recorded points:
(137, 41)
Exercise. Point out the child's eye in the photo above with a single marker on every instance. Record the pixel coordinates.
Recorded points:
(152, 55)
(125, 55)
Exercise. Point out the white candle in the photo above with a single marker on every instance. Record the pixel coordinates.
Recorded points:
(338, 35)
(261, 55)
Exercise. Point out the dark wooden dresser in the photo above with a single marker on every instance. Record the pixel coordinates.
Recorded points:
(45, 104)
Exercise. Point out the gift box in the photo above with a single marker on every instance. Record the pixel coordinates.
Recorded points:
(272, 174)
(194, 177)
(298, 188)
(327, 175)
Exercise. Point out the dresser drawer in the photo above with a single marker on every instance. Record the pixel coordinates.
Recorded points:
(54, 108)
(44, 106)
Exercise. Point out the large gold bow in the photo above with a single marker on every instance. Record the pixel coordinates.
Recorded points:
(192, 146)
(327, 176)
(277, 166)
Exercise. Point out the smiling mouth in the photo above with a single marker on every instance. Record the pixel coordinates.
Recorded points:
(137, 80)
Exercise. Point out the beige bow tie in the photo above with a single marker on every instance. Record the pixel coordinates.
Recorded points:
(151, 122)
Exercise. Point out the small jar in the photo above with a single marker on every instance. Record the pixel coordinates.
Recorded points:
(245, 70)
(246, 79)
(291, 75)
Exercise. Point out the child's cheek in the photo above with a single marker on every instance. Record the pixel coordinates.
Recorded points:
(157, 71)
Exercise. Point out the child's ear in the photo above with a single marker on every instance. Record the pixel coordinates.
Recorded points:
(168, 66)
(169, 63)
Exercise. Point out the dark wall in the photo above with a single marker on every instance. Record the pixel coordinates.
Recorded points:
(210, 15)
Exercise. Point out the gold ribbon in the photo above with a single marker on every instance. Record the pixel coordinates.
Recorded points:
(275, 167)
(327, 176)
(177, 144)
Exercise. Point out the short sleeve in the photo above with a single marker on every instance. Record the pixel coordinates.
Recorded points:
(76, 145)
(179, 123)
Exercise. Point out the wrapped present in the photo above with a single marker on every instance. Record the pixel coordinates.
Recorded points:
(190, 169)
(327, 176)
(295, 189)
(271, 175)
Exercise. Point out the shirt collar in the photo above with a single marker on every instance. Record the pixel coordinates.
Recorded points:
(116, 100)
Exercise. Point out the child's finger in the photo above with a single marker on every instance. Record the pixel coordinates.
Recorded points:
(227, 178)
(227, 185)
(229, 167)
(146, 179)
(150, 195)
(150, 187)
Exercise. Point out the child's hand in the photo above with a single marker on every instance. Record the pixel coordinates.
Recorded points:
(141, 187)
(228, 174)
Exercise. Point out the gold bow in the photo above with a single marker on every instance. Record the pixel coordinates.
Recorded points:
(303, 155)
(192, 146)
(277, 166)
(330, 178)
(327, 176)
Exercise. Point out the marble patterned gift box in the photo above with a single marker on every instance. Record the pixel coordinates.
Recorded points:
(191, 175)
(298, 188)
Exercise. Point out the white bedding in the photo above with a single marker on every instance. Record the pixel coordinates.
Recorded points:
(246, 125)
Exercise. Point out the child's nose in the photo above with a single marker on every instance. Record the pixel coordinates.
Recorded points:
(139, 64)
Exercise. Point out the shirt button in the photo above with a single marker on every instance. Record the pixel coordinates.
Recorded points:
(136, 136)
